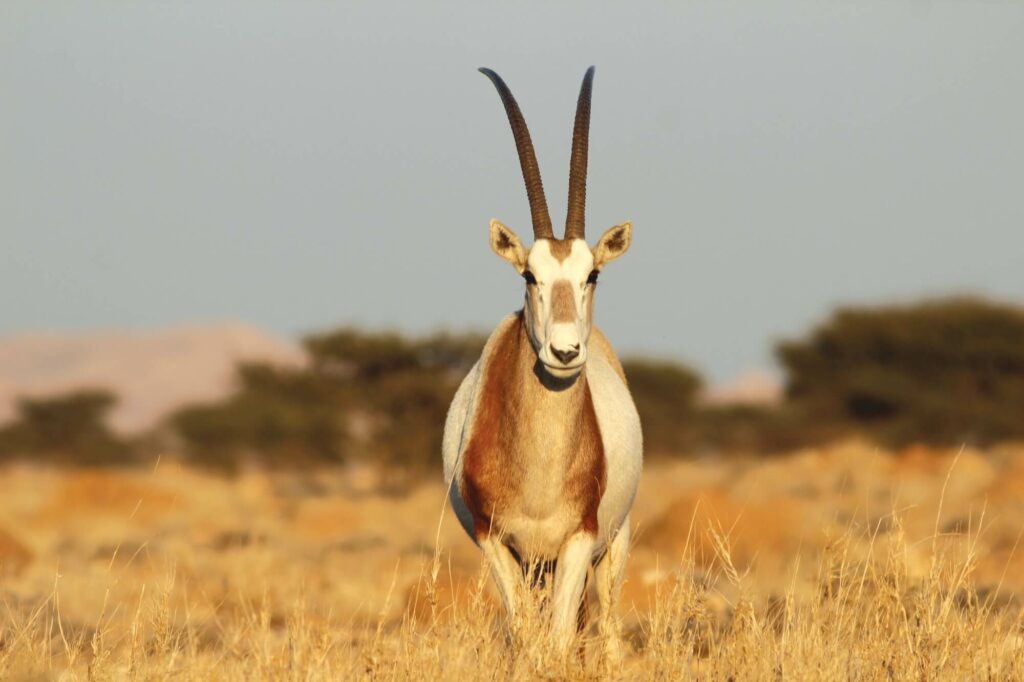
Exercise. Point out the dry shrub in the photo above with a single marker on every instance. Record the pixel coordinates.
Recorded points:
(449, 598)
(1008, 487)
(868, 604)
(111, 492)
(972, 465)
(326, 518)
(774, 526)
(14, 555)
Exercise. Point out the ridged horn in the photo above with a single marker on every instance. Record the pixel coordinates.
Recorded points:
(575, 226)
(527, 159)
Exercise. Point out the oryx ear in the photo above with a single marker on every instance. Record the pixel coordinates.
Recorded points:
(507, 245)
(613, 243)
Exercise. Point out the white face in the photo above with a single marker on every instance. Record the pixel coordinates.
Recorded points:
(559, 304)
(561, 278)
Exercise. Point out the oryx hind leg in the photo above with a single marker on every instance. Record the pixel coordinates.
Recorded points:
(609, 572)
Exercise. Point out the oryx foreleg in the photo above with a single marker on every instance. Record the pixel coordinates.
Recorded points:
(570, 579)
(508, 574)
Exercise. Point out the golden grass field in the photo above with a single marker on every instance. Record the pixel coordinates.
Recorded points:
(841, 563)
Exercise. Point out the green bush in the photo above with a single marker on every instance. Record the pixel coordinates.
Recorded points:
(279, 416)
(759, 429)
(378, 396)
(665, 394)
(942, 372)
(384, 397)
(67, 428)
(401, 387)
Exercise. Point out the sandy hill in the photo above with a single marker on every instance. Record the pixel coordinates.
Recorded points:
(155, 371)
(152, 371)
(755, 387)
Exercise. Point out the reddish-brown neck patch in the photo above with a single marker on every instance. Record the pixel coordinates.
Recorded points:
(516, 420)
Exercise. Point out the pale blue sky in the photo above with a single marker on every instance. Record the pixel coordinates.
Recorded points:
(304, 165)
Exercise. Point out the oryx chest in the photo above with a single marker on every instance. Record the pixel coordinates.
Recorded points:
(533, 467)
(536, 486)
(541, 512)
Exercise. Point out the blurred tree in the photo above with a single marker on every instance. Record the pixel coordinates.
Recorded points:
(759, 429)
(374, 395)
(943, 371)
(67, 428)
(402, 387)
(279, 416)
(384, 397)
(366, 356)
(665, 394)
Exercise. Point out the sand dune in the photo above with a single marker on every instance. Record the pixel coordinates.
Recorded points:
(155, 371)
(754, 387)
(152, 371)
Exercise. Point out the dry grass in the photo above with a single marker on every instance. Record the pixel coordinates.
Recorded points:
(845, 563)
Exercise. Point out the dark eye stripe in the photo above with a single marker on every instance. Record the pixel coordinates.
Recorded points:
(592, 278)
(528, 276)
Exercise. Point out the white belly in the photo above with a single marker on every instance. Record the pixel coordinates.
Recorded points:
(456, 437)
(623, 444)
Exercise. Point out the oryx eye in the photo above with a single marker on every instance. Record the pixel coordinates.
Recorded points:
(528, 276)
(592, 278)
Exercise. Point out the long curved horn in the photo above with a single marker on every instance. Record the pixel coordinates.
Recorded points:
(527, 159)
(574, 218)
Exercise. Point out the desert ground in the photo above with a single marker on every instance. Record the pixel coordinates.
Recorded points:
(845, 562)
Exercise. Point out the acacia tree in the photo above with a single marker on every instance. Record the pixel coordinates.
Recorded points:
(69, 428)
(278, 416)
(665, 394)
(943, 371)
(400, 387)
(378, 396)
(383, 397)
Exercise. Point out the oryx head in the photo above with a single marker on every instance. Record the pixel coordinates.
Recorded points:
(561, 274)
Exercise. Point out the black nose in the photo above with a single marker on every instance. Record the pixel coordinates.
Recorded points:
(566, 356)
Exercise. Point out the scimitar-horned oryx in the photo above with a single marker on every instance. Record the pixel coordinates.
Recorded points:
(542, 444)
